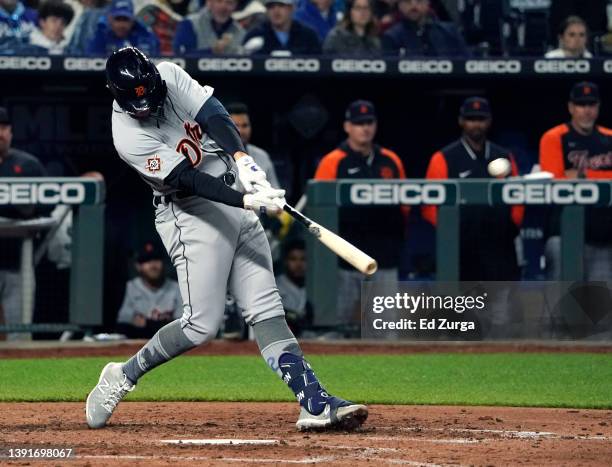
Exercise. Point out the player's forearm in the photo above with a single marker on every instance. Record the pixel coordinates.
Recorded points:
(185, 178)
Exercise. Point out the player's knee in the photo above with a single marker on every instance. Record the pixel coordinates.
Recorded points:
(200, 334)
(261, 310)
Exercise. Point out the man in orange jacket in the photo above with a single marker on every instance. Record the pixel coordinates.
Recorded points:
(382, 236)
(581, 149)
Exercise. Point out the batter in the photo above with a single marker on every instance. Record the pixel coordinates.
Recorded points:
(179, 138)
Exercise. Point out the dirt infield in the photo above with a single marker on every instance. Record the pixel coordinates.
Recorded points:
(408, 435)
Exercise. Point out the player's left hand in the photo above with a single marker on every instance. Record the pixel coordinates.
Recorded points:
(250, 174)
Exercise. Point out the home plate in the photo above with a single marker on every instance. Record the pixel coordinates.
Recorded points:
(220, 441)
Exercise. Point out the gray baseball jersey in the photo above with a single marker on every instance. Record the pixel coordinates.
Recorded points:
(211, 245)
(159, 304)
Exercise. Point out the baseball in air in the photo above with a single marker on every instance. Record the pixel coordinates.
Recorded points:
(499, 167)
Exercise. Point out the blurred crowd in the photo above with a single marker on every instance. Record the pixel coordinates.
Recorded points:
(404, 28)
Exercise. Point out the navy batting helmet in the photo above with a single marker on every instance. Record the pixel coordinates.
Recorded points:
(135, 82)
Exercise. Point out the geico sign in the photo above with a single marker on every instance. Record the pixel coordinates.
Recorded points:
(25, 63)
(493, 66)
(42, 193)
(405, 193)
(225, 64)
(84, 64)
(562, 66)
(557, 193)
(308, 65)
(607, 66)
(425, 66)
(362, 66)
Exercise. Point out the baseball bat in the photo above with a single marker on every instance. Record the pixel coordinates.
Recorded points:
(349, 253)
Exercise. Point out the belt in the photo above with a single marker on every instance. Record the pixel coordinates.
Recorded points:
(165, 199)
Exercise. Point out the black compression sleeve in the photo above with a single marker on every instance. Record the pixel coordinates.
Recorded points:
(214, 120)
(187, 179)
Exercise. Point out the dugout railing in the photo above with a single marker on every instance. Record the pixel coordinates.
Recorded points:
(325, 197)
(85, 197)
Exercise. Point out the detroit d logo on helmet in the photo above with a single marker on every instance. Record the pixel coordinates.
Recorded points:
(140, 91)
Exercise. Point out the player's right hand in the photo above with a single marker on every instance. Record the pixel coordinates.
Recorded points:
(265, 200)
(250, 174)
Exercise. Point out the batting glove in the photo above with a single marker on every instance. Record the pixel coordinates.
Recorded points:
(265, 200)
(250, 174)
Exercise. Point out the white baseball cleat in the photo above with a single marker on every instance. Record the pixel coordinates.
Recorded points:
(337, 415)
(112, 386)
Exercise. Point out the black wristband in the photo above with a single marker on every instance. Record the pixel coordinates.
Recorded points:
(189, 180)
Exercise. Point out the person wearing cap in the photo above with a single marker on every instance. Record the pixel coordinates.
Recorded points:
(581, 149)
(251, 16)
(53, 17)
(382, 235)
(212, 30)
(487, 234)
(151, 299)
(419, 34)
(280, 35)
(119, 28)
(14, 163)
(16, 24)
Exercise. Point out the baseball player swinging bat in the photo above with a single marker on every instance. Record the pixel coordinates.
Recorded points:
(348, 252)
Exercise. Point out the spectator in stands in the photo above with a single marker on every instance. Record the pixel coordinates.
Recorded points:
(418, 34)
(487, 234)
(593, 12)
(119, 28)
(53, 17)
(162, 20)
(83, 26)
(581, 149)
(573, 36)
(292, 286)
(280, 35)
(16, 24)
(359, 157)
(211, 30)
(14, 163)
(240, 115)
(151, 299)
(320, 15)
(356, 34)
(251, 16)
